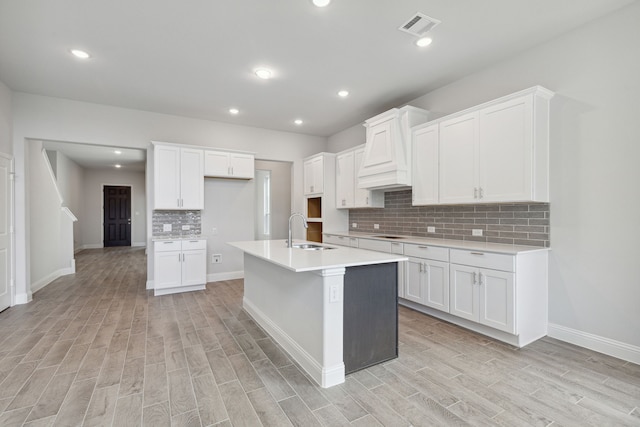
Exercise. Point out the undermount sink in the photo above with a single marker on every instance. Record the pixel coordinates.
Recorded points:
(311, 247)
(389, 237)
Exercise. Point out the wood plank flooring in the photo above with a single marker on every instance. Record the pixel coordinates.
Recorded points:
(97, 349)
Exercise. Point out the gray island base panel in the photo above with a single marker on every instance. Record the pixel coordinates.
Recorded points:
(331, 321)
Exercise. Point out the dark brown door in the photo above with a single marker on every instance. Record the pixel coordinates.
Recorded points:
(117, 216)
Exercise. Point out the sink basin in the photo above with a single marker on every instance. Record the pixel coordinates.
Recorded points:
(311, 247)
(390, 237)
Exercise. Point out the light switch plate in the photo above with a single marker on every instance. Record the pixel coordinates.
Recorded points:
(476, 232)
(431, 229)
(186, 227)
(376, 226)
(166, 227)
(354, 225)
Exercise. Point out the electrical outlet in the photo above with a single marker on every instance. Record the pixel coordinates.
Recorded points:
(216, 258)
(214, 230)
(431, 229)
(186, 227)
(354, 225)
(476, 232)
(376, 226)
(166, 227)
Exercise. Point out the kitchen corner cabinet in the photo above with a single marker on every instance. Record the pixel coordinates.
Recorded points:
(179, 266)
(222, 164)
(348, 194)
(313, 177)
(424, 167)
(178, 178)
(497, 152)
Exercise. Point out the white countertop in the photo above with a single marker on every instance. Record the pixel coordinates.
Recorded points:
(299, 260)
(176, 238)
(453, 244)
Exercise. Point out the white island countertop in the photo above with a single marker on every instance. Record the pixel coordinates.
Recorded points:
(298, 260)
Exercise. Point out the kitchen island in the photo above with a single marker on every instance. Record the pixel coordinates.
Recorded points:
(333, 310)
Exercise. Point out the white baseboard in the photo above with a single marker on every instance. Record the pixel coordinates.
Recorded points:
(23, 298)
(597, 343)
(149, 284)
(89, 246)
(36, 286)
(138, 244)
(326, 377)
(229, 275)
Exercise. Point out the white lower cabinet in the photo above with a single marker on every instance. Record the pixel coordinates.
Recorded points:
(179, 265)
(427, 283)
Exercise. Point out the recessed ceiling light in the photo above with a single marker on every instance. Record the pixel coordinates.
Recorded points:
(298, 122)
(234, 110)
(343, 93)
(321, 3)
(424, 41)
(80, 54)
(117, 166)
(263, 73)
(118, 152)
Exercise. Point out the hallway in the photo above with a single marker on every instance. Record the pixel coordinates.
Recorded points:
(95, 348)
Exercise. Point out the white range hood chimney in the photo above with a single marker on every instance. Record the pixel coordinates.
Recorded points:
(386, 164)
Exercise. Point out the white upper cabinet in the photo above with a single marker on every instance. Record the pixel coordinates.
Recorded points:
(386, 162)
(178, 178)
(425, 165)
(498, 151)
(348, 194)
(222, 164)
(345, 180)
(459, 159)
(314, 175)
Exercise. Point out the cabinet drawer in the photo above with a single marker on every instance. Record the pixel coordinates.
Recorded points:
(428, 252)
(190, 245)
(167, 245)
(375, 245)
(337, 240)
(397, 248)
(483, 259)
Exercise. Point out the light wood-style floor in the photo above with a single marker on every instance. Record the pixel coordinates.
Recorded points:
(96, 348)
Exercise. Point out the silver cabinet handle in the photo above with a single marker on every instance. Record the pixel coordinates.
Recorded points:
(480, 279)
(475, 278)
(367, 201)
(421, 268)
(423, 247)
(475, 193)
(481, 191)
(477, 253)
(178, 202)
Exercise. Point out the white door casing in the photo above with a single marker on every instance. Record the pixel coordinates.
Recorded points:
(6, 230)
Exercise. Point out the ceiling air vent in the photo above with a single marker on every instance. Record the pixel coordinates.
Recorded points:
(418, 24)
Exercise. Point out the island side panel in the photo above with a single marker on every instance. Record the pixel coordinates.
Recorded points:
(370, 315)
(295, 309)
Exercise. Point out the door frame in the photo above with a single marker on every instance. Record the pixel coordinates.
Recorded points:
(12, 229)
(133, 223)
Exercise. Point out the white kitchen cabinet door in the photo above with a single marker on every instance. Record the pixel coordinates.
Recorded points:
(436, 279)
(191, 179)
(414, 280)
(364, 198)
(313, 178)
(506, 151)
(216, 163)
(463, 292)
(166, 177)
(459, 159)
(194, 267)
(425, 165)
(242, 165)
(497, 300)
(168, 269)
(380, 153)
(345, 179)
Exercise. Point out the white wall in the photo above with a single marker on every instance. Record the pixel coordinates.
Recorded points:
(6, 120)
(45, 219)
(93, 201)
(39, 117)
(70, 179)
(350, 137)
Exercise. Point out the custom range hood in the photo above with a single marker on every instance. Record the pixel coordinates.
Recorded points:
(386, 164)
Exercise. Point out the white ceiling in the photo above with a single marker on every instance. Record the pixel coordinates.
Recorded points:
(195, 58)
(100, 156)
